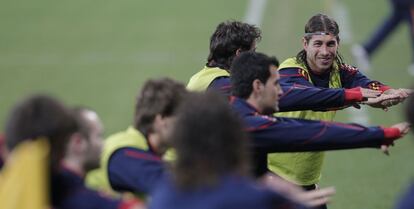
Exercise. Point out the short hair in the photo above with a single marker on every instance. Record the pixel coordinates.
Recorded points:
(209, 141)
(227, 38)
(158, 96)
(324, 24)
(246, 68)
(41, 116)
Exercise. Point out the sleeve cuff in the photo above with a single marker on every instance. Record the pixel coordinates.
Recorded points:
(353, 95)
(391, 133)
(129, 204)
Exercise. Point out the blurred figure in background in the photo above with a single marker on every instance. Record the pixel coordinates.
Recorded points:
(401, 10)
(407, 200)
(36, 134)
(212, 165)
(132, 159)
(43, 122)
(82, 155)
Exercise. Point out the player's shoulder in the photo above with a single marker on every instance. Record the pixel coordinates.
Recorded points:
(258, 122)
(135, 154)
(294, 72)
(348, 69)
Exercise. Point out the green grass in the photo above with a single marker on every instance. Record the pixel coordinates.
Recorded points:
(98, 54)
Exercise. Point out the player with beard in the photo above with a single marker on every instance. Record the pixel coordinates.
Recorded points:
(256, 91)
(83, 155)
(320, 71)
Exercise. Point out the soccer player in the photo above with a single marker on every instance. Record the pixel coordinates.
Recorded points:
(321, 72)
(131, 159)
(211, 169)
(256, 88)
(82, 155)
(229, 40)
(72, 141)
(407, 201)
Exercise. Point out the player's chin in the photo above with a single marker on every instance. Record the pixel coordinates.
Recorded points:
(325, 65)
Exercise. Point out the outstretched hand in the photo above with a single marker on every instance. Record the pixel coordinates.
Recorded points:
(369, 93)
(404, 128)
(384, 101)
(311, 198)
(389, 98)
(402, 93)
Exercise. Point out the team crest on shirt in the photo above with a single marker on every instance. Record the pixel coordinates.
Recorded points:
(374, 86)
(303, 73)
(349, 68)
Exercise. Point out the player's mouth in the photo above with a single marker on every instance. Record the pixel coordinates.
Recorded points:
(325, 60)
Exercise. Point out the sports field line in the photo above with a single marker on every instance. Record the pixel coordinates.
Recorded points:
(341, 14)
(255, 12)
(138, 57)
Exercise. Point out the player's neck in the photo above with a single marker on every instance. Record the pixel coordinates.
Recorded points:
(253, 102)
(73, 165)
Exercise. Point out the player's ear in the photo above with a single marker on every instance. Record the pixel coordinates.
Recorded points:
(304, 43)
(158, 122)
(77, 144)
(257, 85)
(238, 51)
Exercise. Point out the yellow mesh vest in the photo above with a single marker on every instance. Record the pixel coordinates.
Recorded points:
(302, 168)
(98, 178)
(201, 80)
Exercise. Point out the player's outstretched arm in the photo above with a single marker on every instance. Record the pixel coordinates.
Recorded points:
(402, 128)
(295, 135)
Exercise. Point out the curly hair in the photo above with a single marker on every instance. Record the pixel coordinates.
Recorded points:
(228, 37)
(209, 141)
(157, 97)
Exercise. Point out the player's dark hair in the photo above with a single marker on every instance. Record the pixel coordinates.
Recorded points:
(228, 37)
(320, 23)
(246, 68)
(41, 116)
(158, 96)
(209, 142)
